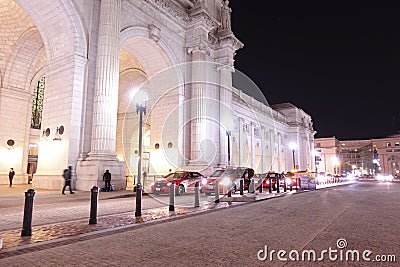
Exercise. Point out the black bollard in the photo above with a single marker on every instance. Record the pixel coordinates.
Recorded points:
(172, 197)
(277, 185)
(241, 186)
(197, 194)
(270, 185)
(284, 185)
(230, 191)
(138, 211)
(28, 208)
(216, 199)
(261, 185)
(291, 185)
(93, 204)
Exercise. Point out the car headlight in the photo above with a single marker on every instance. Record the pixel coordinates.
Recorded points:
(169, 183)
(288, 181)
(153, 183)
(204, 181)
(226, 181)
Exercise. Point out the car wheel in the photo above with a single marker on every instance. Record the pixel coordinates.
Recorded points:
(180, 190)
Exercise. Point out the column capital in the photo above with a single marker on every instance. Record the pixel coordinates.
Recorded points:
(201, 48)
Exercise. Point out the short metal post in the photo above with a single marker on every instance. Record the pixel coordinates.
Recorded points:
(28, 208)
(270, 185)
(230, 191)
(139, 190)
(93, 204)
(251, 186)
(241, 186)
(291, 185)
(216, 199)
(277, 185)
(261, 185)
(284, 185)
(172, 197)
(197, 194)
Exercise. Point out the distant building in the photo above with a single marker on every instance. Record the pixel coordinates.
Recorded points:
(371, 156)
(388, 154)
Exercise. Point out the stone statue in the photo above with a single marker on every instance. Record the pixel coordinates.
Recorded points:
(226, 15)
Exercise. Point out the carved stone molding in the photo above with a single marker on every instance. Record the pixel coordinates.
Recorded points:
(154, 32)
(202, 47)
(169, 8)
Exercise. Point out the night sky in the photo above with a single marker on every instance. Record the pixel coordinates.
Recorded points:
(340, 63)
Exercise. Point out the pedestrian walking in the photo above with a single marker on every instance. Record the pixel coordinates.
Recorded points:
(67, 180)
(107, 180)
(11, 174)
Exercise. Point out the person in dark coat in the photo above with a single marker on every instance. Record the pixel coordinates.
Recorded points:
(67, 180)
(107, 180)
(11, 174)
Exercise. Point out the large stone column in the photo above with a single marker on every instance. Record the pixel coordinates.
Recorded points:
(225, 114)
(198, 129)
(103, 155)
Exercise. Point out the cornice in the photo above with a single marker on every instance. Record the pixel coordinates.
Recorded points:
(170, 8)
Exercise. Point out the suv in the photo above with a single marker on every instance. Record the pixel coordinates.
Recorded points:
(184, 182)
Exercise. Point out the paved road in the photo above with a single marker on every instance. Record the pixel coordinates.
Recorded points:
(363, 215)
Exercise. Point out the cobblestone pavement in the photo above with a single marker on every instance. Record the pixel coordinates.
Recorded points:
(123, 206)
(363, 215)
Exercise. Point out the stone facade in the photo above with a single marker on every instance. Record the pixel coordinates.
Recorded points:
(99, 58)
(370, 156)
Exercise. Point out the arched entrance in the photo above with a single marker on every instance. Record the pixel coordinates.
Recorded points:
(35, 43)
(141, 62)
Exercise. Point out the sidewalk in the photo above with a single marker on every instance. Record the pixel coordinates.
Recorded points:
(53, 234)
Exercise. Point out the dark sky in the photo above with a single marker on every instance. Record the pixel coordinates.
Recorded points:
(340, 63)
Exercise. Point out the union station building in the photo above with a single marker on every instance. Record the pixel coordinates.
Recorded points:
(74, 72)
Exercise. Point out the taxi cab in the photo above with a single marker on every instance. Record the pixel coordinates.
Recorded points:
(184, 182)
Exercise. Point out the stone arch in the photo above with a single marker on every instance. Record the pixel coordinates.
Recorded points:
(20, 67)
(72, 39)
(155, 57)
(151, 59)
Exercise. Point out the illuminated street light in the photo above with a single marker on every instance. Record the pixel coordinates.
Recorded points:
(335, 162)
(293, 146)
(141, 109)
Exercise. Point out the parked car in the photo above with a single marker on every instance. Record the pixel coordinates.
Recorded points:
(272, 176)
(228, 178)
(184, 182)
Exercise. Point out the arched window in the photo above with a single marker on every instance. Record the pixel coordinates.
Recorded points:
(37, 106)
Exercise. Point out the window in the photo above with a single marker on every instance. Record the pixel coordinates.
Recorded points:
(397, 144)
(157, 146)
(387, 144)
(37, 107)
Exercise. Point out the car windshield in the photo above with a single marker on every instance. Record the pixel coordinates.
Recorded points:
(217, 173)
(174, 175)
(229, 172)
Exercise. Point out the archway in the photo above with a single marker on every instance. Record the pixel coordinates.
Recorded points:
(141, 62)
(33, 38)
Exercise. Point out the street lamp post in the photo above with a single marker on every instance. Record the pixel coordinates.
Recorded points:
(335, 162)
(228, 133)
(293, 147)
(141, 109)
(315, 160)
